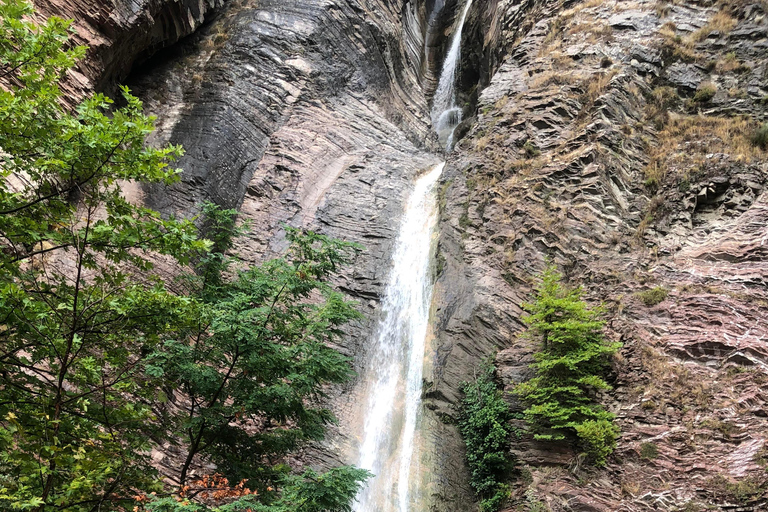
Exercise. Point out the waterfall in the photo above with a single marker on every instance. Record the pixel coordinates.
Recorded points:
(394, 376)
(446, 115)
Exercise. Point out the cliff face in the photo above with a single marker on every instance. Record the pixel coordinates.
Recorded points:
(120, 32)
(309, 114)
(621, 140)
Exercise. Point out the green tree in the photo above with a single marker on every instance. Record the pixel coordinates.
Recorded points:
(484, 425)
(84, 318)
(332, 491)
(79, 304)
(569, 369)
(261, 355)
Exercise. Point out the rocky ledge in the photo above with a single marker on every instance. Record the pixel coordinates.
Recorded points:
(121, 32)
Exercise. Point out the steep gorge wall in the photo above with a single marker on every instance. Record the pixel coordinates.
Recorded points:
(309, 114)
(120, 32)
(316, 114)
(614, 139)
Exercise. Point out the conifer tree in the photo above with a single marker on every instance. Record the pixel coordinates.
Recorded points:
(569, 369)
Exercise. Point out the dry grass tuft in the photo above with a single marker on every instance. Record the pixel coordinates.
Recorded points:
(592, 3)
(596, 85)
(552, 77)
(674, 47)
(593, 31)
(721, 22)
(730, 64)
(685, 136)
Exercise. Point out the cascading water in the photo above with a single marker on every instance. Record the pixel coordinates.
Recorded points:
(446, 115)
(395, 373)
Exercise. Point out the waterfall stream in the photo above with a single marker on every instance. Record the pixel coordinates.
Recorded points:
(446, 115)
(389, 443)
(395, 373)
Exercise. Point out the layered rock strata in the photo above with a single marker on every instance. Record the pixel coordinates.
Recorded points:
(621, 140)
(121, 32)
(307, 114)
(618, 139)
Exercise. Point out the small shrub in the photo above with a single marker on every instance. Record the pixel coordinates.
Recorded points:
(705, 92)
(649, 451)
(655, 172)
(653, 296)
(484, 425)
(731, 64)
(497, 500)
(598, 438)
(742, 490)
(726, 428)
(531, 151)
(760, 137)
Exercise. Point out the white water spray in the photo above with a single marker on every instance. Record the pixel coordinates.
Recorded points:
(395, 373)
(446, 115)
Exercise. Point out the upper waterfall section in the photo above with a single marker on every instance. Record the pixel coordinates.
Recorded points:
(446, 113)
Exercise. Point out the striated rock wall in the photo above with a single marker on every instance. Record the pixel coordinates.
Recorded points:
(304, 114)
(613, 137)
(120, 32)
(616, 138)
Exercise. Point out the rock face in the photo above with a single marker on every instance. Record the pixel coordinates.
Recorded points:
(609, 140)
(308, 114)
(119, 32)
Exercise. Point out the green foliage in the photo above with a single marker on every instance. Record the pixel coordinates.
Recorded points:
(260, 354)
(742, 491)
(704, 93)
(484, 424)
(79, 303)
(653, 296)
(531, 151)
(93, 347)
(568, 369)
(760, 137)
(649, 451)
(598, 438)
(332, 491)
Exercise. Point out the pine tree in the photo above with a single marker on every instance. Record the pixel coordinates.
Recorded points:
(569, 369)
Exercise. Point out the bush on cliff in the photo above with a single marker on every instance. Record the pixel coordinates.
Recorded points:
(569, 370)
(484, 424)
